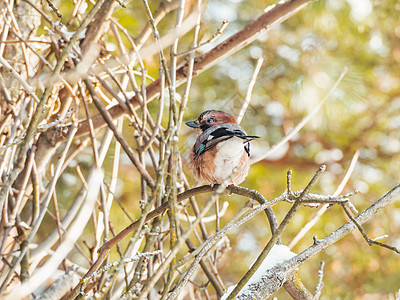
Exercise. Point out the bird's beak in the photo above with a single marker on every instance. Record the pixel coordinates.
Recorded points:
(193, 124)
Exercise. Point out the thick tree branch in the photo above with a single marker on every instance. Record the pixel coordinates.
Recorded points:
(296, 288)
(274, 278)
(277, 233)
(276, 15)
(105, 249)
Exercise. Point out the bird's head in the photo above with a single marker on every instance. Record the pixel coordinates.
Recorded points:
(211, 118)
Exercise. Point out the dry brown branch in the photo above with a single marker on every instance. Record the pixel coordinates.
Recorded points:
(97, 27)
(277, 233)
(322, 210)
(364, 234)
(296, 288)
(42, 110)
(63, 73)
(104, 250)
(272, 280)
(275, 15)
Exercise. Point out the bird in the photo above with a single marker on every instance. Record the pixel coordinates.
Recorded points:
(222, 149)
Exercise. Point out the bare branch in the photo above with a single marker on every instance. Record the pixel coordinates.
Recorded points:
(322, 210)
(273, 279)
(320, 284)
(14, 73)
(279, 13)
(247, 99)
(365, 236)
(275, 236)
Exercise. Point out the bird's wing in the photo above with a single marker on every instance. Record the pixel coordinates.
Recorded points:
(219, 133)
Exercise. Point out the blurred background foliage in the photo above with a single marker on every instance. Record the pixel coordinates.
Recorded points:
(303, 57)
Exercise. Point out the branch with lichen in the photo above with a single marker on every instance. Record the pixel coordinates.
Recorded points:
(273, 278)
(287, 196)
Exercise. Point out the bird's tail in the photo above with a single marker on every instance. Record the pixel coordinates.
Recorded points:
(248, 138)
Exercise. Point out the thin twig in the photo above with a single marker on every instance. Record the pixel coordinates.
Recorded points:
(320, 284)
(103, 215)
(164, 8)
(303, 122)
(247, 99)
(118, 135)
(54, 8)
(275, 236)
(56, 211)
(219, 32)
(306, 228)
(364, 234)
(21, 80)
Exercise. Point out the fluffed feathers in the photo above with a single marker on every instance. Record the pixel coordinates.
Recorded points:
(222, 149)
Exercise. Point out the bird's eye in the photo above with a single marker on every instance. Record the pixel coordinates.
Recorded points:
(210, 120)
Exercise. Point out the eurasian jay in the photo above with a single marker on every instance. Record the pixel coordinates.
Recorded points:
(222, 149)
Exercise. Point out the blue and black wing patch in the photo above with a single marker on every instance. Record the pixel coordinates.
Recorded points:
(219, 133)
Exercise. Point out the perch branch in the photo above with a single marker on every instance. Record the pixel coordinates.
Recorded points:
(272, 280)
(105, 249)
(276, 235)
